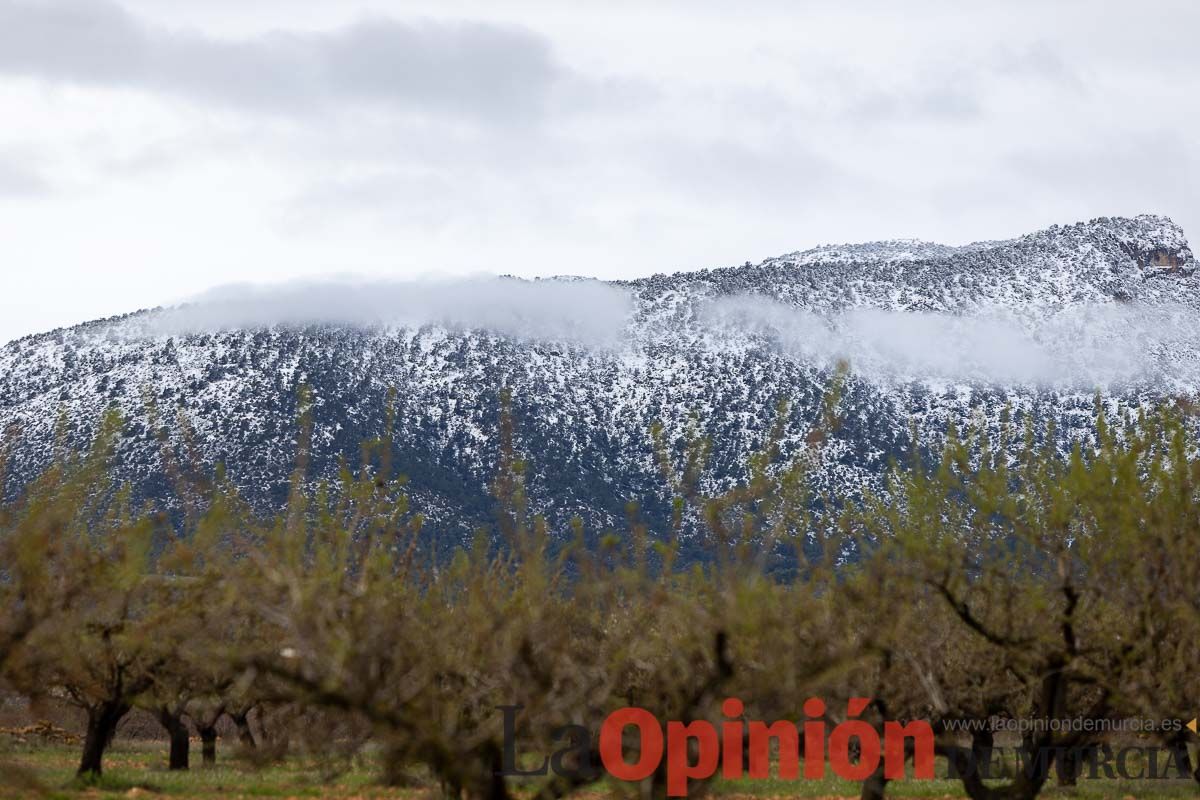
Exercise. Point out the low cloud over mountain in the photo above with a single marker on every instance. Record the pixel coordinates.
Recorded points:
(934, 335)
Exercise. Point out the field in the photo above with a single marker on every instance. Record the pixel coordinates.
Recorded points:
(137, 769)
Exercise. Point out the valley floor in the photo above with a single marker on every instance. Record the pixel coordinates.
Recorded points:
(137, 770)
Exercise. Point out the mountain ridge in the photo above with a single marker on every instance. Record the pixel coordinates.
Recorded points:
(1034, 324)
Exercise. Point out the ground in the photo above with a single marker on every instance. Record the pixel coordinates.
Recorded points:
(137, 770)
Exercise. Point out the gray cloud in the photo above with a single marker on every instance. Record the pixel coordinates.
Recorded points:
(474, 70)
(1156, 166)
(1040, 61)
(20, 181)
(733, 173)
(955, 89)
(93, 42)
(581, 311)
(947, 99)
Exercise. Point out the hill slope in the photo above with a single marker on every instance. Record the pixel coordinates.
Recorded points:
(933, 334)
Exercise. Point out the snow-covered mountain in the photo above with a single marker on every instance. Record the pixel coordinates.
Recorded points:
(932, 334)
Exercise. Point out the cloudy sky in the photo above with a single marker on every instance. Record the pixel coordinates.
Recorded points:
(153, 149)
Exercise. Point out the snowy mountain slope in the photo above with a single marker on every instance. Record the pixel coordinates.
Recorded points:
(933, 334)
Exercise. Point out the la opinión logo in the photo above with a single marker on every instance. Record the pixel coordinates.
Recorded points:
(854, 749)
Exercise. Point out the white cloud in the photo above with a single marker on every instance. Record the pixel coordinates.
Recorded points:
(1110, 347)
(1088, 347)
(585, 312)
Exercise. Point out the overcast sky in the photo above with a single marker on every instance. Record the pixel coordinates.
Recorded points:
(153, 149)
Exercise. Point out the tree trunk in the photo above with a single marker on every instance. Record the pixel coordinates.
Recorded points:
(983, 747)
(497, 789)
(875, 787)
(103, 719)
(395, 769)
(208, 745)
(1069, 765)
(1178, 745)
(1024, 786)
(486, 780)
(172, 721)
(241, 721)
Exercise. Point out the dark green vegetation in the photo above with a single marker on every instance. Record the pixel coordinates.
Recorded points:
(1028, 587)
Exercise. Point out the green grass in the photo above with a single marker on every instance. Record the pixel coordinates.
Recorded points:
(942, 788)
(832, 786)
(138, 770)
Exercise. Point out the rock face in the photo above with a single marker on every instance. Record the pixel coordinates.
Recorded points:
(1165, 259)
(934, 334)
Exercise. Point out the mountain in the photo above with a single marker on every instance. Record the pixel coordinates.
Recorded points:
(933, 334)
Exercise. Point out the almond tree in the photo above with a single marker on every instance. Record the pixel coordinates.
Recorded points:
(106, 637)
(1022, 555)
(1148, 488)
